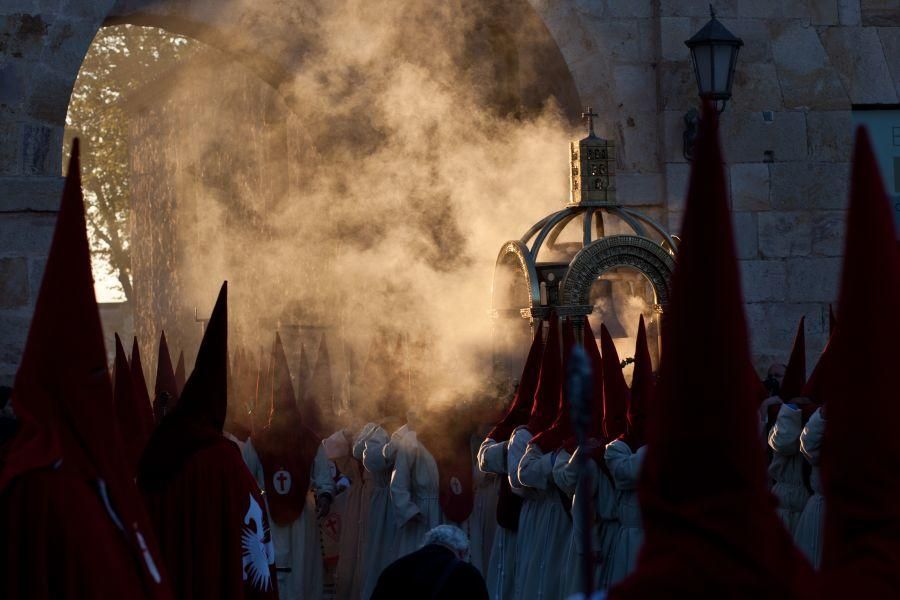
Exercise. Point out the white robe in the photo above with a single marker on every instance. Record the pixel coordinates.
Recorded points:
(545, 536)
(414, 490)
(605, 522)
(482, 523)
(808, 535)
(500, 573)
(786, 468)
(625, 468)
(298, 546)
(381, 531)
(348, 574)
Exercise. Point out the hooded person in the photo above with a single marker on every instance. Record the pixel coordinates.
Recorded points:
(861, 450)
(71, 521)
(419, 490)
(376, 447)
(141, 393)
(320, 392)
(179, 374)
(133, 416)
(166, 388)
(808, 533)
(243, 386)
(354, 513)
(546, 457)
(289, 462)
(492, 458)
(544, 506)
(208, 511)
(702, 491)
(625, 454)
(603, 495)
(309, 402)
(788, 469)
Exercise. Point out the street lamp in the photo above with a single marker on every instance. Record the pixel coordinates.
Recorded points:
(714, 52)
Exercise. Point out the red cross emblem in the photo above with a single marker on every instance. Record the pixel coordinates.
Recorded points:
(282, 482)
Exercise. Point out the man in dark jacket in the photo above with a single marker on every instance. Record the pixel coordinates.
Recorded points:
(436, 571)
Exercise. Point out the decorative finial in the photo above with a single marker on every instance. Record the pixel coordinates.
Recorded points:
(589, 115)
(712, 11)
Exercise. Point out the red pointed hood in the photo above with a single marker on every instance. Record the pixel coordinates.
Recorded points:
(63, 397)
(861, 450)
(320, 392)
(241, 392)
(520, 408)
(285, 445)
(196, 421)
(832, 321)
(62, 393)
(703, 491)
(795, 373)
(596, 361)
(179, 373)
(166, 390)
(308, 403)
(284, 402)
(616, 394)
(141, 393)
(642, 388)
(549, 387)
(262, 406)
(560, 432)
(816, 387)
(132, 427)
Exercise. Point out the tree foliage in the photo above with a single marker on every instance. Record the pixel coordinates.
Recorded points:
(120, 61)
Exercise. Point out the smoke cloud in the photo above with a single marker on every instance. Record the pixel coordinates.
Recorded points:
(367, 198)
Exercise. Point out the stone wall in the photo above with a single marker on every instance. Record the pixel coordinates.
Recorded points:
(787, 132)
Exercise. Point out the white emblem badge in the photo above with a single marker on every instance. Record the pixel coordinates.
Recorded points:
(256, 545)
(455, 486)
(281, 481)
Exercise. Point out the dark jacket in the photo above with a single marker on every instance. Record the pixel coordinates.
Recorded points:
(433, 572)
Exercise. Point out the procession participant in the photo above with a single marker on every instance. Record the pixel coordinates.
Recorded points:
(380, 546)
(207, 509)
(861, 450)
(288, 461)
(439, 570)
(551, 505)
(133, 417)
(603, 495)
(348, 574)
(482, 523)
(808, 535)
(492, 458)
(141, 393)
(625, 454)
(71, 521)
(166, 388)
(531, 576)
(319, 393)
(788, 469)
(179, 373)
(702, 489)
(416, 485)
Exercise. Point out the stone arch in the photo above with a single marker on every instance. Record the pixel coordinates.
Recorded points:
(639, 253)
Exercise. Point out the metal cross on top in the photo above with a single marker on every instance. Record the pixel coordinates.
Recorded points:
(589, 115)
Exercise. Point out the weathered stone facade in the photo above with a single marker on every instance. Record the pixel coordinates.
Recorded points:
(787, 132)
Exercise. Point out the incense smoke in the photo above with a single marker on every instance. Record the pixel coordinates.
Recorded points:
(369, 195)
